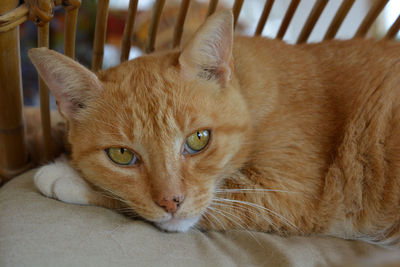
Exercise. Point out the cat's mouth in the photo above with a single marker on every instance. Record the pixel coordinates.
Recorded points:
(176, 224)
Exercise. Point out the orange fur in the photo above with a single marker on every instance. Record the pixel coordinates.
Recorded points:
(317, 125)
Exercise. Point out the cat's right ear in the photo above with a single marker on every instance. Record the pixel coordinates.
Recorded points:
(71, 83)
(208, 55)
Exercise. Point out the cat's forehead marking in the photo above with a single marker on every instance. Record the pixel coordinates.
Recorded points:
(149, 121)
(154, 102)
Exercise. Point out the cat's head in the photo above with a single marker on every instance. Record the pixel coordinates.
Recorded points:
(160, 132)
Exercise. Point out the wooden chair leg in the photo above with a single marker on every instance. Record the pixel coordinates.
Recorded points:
(13, 151)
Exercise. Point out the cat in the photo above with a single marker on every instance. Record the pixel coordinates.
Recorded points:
(236, 133)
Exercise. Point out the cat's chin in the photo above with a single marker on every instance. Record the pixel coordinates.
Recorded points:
(177, 224)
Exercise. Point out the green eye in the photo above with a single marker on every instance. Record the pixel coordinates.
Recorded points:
(121, 156)
(197, 141)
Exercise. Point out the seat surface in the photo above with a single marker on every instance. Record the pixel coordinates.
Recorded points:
(39, 231)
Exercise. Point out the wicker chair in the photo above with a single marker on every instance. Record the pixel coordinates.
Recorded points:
(20, 201)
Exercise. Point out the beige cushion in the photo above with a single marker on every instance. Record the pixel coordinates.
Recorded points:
(38, 231)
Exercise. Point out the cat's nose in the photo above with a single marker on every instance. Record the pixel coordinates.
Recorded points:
(170, 204)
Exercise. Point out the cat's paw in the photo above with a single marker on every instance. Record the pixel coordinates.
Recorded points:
(60, 181)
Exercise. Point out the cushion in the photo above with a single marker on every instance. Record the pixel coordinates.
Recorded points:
(39, 231)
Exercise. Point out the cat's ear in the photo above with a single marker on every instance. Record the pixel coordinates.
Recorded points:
(71, 83)
(208, 54)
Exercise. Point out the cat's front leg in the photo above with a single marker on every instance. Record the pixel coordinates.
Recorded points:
(60, 181)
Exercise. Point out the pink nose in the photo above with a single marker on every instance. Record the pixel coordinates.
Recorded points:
(170, 204)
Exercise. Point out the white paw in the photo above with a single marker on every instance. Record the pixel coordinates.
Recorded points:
(60, 181)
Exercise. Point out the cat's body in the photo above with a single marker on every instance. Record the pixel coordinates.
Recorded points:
(303, 139)
(326, 124)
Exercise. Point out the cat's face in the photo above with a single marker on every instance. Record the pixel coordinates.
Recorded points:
(161, 132)
(148, 108)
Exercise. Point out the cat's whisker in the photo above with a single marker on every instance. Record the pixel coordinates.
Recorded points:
(255, 190)
(114, 195)
(245, 209)
(243, 226)
(129, 213)
(216, 219)
(262, 190)
(124, 202)
(109, 196)
(205, 216)
(195, 229)
(250, 204)
(289, 223)
(125, 209)
(230, 219)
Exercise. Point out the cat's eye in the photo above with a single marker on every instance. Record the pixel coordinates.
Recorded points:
(121, 156)
(197, 141)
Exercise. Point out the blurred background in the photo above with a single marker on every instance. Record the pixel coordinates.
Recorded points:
(247, 23)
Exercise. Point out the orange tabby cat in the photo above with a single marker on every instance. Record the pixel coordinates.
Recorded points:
(253, 134)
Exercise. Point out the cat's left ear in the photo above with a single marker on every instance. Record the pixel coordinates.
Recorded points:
(209, 53)
(72, 84)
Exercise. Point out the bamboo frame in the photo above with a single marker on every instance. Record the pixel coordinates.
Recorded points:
(43, 41)
(128, 30)
(264, 16)
(287, 19)
(178, 31)
(394, 29)
(237, 7)
(338, 19)
(14, 18)
(14, 155)
(212, 7)
(370, 18)
(71, 19)
(155, 20)
(100, 35)
(311, 20)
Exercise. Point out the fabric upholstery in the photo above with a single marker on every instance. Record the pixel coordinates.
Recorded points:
(38, 231)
